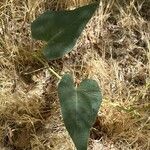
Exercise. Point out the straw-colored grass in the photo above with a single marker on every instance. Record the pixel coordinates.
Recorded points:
(114, 49)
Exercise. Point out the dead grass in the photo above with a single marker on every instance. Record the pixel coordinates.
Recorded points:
(114, 50)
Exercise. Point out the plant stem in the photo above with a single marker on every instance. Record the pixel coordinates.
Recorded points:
(47, 65)
(56, 74)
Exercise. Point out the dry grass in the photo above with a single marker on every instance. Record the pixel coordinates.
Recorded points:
(114, 50)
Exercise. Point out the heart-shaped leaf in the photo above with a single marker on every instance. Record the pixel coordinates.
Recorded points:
(61, 29)
(79, 108)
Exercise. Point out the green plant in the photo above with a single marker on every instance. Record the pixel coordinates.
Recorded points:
(79, 105)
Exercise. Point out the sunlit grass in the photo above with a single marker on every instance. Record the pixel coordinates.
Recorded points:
(114, 50)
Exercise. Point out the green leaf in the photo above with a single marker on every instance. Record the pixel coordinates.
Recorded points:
(79, 108)
(61, 29)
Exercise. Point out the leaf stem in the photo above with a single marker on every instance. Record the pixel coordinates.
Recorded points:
(47, 65)
(55, 73)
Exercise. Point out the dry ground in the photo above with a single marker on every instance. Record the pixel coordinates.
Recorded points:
(114, 49)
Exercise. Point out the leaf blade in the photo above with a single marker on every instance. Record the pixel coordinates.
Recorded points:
(79, 108)
(61, 29)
